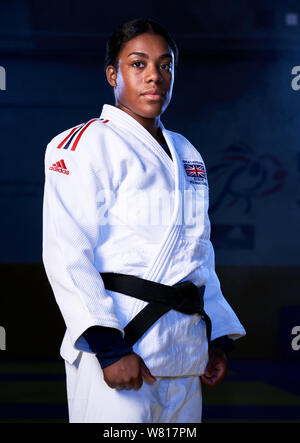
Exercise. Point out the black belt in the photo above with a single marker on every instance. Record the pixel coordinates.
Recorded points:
(184, 297)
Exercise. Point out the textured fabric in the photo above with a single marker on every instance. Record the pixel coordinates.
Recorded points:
(114, 201)
(91, 400)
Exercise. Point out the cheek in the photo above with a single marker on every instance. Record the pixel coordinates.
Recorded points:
(128, 90)
(170, 82)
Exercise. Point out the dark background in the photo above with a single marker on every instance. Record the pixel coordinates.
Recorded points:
(233, 99)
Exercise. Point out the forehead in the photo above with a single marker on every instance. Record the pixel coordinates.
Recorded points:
(153, 45)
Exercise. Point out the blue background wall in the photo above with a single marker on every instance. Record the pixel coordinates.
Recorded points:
(232, 98)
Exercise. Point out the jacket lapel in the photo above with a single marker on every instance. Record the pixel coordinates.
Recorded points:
(120, 118)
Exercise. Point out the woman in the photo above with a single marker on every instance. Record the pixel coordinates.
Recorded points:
(125, 196)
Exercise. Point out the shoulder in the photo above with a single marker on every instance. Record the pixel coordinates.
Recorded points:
(183, 145)
(177, 136)
(78, 150)
(180, 139)
(81, 151)
(78, 138)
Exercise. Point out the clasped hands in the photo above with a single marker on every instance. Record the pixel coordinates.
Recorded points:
(129, 372)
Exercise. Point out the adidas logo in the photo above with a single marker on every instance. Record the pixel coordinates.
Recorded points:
(60, 166)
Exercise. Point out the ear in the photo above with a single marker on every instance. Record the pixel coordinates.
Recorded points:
(111, 75)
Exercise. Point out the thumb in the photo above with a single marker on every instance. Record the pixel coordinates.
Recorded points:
(209, 369)
(146, 374)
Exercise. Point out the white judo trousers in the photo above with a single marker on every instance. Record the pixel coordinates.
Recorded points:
(167, 400)
(114, 201)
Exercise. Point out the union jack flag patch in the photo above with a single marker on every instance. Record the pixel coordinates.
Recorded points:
(196, 172)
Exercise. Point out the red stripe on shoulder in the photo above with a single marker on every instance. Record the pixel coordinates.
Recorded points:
(81, 132)
(66, 138)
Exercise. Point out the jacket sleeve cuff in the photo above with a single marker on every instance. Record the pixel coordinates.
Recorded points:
(107, 343)
(225, 343)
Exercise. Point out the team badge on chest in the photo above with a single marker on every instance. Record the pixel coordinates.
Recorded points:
(195, 171)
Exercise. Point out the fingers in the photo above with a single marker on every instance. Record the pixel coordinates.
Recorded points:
(127, 373)
(209, 381)
(123, 388)
(216, 368)
(137, 383)
(146, 373)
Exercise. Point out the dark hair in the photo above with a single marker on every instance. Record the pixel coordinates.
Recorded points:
(131, 29)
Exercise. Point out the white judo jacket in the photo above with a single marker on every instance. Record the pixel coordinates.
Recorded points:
(114, 201)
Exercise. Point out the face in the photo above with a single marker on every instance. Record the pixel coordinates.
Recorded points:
(144, 80)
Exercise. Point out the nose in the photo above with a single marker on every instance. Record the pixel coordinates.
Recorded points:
(153, 73)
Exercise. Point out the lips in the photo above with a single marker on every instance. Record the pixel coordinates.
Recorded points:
(153, 94)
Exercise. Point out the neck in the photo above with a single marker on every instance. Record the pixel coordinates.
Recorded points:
(151, 124)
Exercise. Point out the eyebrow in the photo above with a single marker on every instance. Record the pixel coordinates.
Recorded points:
(142, 54)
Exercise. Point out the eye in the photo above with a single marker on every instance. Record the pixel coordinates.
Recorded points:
(138, 64)
(166, 66)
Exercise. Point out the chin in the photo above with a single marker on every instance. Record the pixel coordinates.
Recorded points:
(152, 110)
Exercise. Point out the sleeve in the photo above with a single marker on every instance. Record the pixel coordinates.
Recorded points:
(71, 227)
(108, 344)
(225, 343)
(224, 320)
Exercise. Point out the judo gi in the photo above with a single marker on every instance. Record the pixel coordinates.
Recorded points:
(114, 201)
